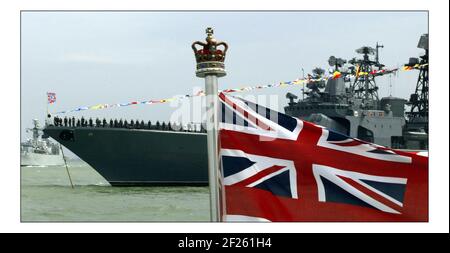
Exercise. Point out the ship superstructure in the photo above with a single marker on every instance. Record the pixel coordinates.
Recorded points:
(352, 107)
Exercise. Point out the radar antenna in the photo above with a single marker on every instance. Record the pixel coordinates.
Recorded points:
(336, 62)
(291, 98)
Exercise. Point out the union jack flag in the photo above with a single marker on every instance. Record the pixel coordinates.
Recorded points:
(51, 97)
(279, 168)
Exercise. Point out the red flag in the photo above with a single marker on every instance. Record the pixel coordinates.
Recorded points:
(280, 168)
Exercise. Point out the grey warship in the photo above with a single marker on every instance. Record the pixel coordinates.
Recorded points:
(138, 155)
(353, 107)
(144, 154)
(39, 150)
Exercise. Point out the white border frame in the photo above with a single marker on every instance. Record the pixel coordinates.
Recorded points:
(10, 79)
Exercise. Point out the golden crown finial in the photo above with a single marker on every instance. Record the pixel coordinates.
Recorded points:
(210, 59)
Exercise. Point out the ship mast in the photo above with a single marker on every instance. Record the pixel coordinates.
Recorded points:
(35, 130)
(377, 59)
(364, 86)
(419, 99)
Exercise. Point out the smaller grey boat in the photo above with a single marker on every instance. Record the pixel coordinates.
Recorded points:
(40, 150)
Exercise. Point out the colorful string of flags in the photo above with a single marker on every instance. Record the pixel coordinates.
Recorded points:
(298, 81)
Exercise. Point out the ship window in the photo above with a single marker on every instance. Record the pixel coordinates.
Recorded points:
(375, 125)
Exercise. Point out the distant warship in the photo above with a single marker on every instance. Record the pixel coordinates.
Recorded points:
(138, 153)
(352, 107)
(39, 150)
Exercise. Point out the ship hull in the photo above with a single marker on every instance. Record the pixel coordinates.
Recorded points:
(136, 157)
(34, 159)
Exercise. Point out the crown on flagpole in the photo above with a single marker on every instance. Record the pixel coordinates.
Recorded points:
(210, 59)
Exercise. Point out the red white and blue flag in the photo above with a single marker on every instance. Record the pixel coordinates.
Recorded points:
(51, 97)
(279, 168)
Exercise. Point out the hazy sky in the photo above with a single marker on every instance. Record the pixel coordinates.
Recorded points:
(89, 58)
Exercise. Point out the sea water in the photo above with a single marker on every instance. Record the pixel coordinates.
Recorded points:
(46, 196)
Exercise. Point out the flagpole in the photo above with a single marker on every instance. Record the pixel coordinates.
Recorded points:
(210, 65)
(46, 119)
(212, 143)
